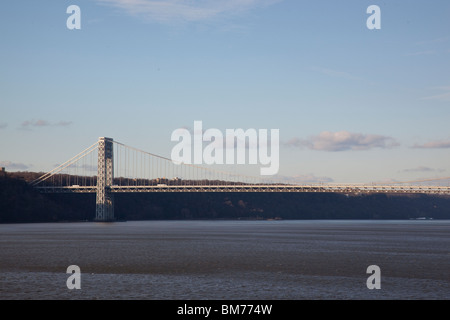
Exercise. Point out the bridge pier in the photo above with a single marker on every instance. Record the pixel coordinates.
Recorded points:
(105, 176)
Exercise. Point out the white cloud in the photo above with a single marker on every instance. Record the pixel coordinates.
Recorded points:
(433, 181)
(440, 97)
(3, 125)
(35, 123)
(433, 41)
(302, 179)
(440, 144)
(421, 53)
(85, 167)
(423, 169)
(444, 96)
(44, 123)
(342, 141)
(386, 181)
(431, 47)
(185, 10)
(13, 166)
(63, 123)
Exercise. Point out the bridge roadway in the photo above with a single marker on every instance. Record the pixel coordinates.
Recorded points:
(346, 189)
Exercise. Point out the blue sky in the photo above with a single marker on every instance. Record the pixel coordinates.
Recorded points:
(353, 105)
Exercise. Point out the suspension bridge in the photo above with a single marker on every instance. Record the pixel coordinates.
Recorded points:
(108, 167)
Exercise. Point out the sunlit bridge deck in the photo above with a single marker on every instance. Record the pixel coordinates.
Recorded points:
(346, 189)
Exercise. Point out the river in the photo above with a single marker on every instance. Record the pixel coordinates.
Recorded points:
(232, 260)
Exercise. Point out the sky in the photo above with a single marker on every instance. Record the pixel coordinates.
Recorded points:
(352, 104)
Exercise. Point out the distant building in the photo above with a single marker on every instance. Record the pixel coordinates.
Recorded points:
(3, 172)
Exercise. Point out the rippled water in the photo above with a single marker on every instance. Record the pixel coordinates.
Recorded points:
(226, 259)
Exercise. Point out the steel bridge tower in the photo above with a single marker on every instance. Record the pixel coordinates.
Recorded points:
(105, 176)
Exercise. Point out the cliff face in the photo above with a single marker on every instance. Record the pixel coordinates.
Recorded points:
(21, 203)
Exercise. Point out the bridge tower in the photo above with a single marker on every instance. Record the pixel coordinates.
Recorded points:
(105, 176)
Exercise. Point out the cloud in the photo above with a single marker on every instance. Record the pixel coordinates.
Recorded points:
(35, 123)
(432, 41)
(342, 141)
(3, 125)
(44, 123)
(421, 53)
(63, 123)
(432, 181)
(13, 166)
(442, 144)
(302, 179)
(185, 10)
(445, 96)
(386, 181)
(431, 47)
(85, 167)
(423, 169)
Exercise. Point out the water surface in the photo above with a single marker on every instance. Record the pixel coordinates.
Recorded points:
(226, 259)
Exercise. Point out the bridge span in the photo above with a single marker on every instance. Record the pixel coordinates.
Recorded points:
(345, 189)
(124, 169)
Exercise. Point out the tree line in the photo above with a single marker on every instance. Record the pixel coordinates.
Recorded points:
(19, 202)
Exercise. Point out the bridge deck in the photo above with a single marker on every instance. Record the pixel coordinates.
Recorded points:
(347, 189)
